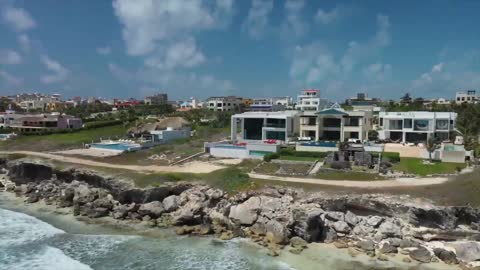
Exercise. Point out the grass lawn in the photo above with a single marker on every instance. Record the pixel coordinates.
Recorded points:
(416, 166)
(298, 158)
(62, 140)
(352, 176)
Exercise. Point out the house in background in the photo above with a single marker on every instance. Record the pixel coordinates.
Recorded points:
(164, 130)
(225, 104)
(158, 99)
(280, 127)
(39, 123)
(270, 104)
(416, 126)
(309, 100)
(467, 97)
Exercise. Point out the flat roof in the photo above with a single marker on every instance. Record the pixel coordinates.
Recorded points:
(418, 114)
(278, 114)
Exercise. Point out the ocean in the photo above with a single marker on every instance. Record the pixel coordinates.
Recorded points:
(35, 238)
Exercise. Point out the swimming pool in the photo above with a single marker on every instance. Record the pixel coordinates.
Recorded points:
(116, 146)
(320, 144)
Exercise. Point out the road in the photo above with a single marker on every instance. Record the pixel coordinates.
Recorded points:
(207, 167)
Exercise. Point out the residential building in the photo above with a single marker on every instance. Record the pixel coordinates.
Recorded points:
(224, 104)
(362, 99)
(280, 127)
(335, 124)
(158, 99)
(309, 100)
(37, 123)
(416, 126)
(271, 104)
(467, 97)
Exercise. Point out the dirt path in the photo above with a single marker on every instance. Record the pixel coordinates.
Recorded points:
(205, 167)
(191, 167)
(399, 182)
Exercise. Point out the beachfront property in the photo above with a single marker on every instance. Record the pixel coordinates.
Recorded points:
(257, 127)
(309, 100)
(469, 96)
(224, 104)
(162, 131)
(335, 124)
(270, 104)
(416, 126)
(38, 123)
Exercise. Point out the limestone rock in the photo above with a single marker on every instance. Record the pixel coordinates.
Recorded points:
(421, 254)
(276, 232)
(467, 251)
(341, 227)
(367, 245)
(390, 229)
(298, 242)
(247, 212)
(351, 218)
(446, 256)
(153, 209)
(171, 203)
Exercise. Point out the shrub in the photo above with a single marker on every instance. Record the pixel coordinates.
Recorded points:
(392, 157)
(270, 156)
(340, 165)
(292, 152)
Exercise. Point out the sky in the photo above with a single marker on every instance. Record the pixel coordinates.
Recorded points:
(251, 48)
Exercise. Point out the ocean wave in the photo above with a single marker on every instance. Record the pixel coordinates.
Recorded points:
(20, 228)
(46, 259)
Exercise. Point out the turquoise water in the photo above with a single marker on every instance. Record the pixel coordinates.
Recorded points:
(115, 146)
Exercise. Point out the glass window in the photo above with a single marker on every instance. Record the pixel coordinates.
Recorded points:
(407, 123)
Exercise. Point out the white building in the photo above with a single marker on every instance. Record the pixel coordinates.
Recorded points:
(280, 127)
(466, 97)
(309, 100)
(335, 124)
(416, 126)
(224, 104)
(271, 104)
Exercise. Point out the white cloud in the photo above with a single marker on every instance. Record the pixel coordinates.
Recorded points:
(257, 23)
(438, 67)
(58, 72)
(10, 57)
(18, 18)
(378, 72)
(10, 79)
(184, 54)
(184, 84)
(313, 63)
(358, 52)
(147, 23)
(294, 24)
(24, 42)
(327, 17)
(104, 50)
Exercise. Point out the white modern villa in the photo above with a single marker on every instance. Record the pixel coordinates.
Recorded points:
(415, 126)
(309, 100)
(262, 126)
(335, 124)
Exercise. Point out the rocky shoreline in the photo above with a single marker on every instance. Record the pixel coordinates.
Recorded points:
(277, 218)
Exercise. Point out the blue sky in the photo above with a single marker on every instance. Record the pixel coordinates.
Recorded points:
(253, 48)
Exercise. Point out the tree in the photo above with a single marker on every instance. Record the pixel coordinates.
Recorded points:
(431, 146)
(406, 99)
(468, 124)
(373, 135)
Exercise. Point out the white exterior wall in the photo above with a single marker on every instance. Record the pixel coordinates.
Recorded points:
(165, 136)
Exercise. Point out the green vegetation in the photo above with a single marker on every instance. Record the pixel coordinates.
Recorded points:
(231, 180)
(268, 157)
(352, 176)
(393, 157)
(298, 158)
(418, 167)
(62, 140)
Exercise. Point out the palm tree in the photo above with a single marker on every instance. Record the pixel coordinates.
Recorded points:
(431, 147)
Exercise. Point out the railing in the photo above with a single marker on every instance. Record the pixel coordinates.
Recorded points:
(274, 125)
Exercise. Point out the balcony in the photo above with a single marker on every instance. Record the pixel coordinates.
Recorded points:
(273, 125)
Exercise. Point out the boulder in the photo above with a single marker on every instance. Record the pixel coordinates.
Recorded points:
(131, 196)
(32, 198)
(366, 245)
(467, 251)
(421, 254)
(307, 223)
(189, 214)
(351, 218)
(156, 194)
(66, 197)
(121, 211)
(298, 242)
(328, 235)
(276, 232)
(214, 194)
(447, 256)
(103, 202)
(97, 212)
(374, 221)
(387, 247)
(247, 212)
(341, 227)
(154, 209)
(390, 229)
(171, 203)
(335, 216)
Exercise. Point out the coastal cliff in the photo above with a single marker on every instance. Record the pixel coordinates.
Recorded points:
(277, 218)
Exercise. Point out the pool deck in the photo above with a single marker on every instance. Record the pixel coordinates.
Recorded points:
(90, 152)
